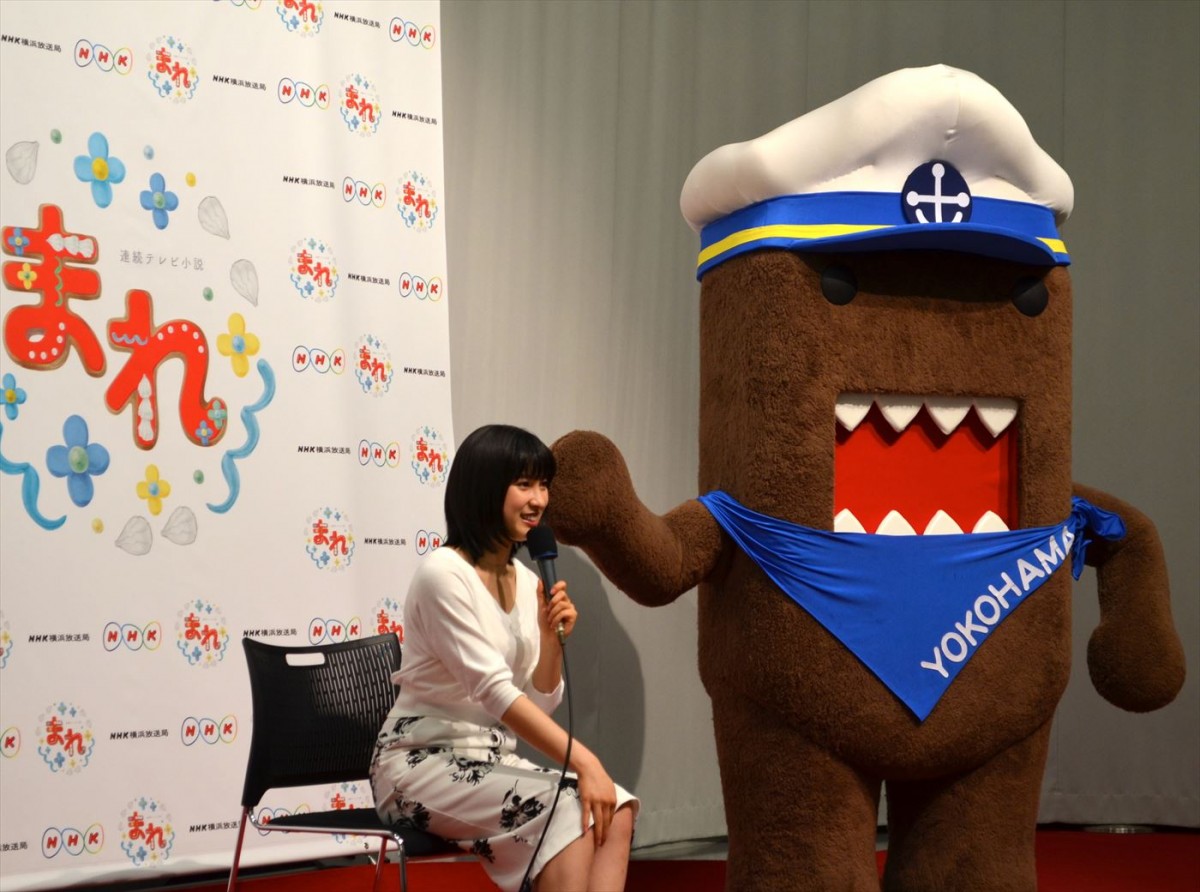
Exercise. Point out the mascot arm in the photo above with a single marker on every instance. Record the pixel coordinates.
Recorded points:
(653, 559)
(1135, 657)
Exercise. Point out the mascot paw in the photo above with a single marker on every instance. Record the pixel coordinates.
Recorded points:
(591, 486)
(1136, 673)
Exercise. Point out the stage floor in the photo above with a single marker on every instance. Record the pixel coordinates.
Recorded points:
(714, 849)
(1069, 860)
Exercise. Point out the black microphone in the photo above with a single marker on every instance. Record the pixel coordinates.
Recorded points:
(543, 549)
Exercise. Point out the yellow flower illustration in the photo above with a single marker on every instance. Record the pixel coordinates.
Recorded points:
(238, 344)
(153, 489)
(27, 276)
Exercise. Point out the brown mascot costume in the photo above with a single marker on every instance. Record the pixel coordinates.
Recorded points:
(888, 527)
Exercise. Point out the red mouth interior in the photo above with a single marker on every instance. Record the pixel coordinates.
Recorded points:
(920, 470)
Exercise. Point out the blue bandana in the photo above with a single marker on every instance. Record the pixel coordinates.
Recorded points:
(914, 609)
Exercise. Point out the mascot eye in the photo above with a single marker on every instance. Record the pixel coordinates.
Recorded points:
(838, 285)
(1030, 296)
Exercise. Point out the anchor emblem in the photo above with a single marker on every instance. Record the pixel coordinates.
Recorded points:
(939, 184)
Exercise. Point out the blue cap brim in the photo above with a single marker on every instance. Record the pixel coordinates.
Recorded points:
(872, 221)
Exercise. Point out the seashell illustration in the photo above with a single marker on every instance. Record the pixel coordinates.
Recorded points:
(181, 526)
(244, 277)
(212, 217)
(21, 158)
(136, 537)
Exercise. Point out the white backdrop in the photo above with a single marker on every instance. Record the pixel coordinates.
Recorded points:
(225, 398)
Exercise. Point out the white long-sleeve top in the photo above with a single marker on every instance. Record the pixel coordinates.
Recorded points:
(465, 659)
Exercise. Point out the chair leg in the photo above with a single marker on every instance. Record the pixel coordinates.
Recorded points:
(403, 859)
(237, 852)
(379, 864)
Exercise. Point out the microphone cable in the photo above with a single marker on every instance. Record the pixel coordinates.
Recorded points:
(562, 780)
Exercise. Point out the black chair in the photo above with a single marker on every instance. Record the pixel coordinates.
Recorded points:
(317, 713)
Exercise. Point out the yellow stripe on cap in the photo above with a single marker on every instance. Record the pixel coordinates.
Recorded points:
(796, 231)
(1057, 245)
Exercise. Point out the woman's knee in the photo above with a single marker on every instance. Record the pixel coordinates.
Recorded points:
(623, 821)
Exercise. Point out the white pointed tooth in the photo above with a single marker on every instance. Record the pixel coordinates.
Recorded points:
(852, 408)
(894, 524)
(846, 522)
(947, 411)
(899, 410)
(996, 413)
(990, 522)
(941, 524)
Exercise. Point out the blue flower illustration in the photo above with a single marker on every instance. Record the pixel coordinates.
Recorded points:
(19, 241)
(159, 201)
(11, 396)
(100, 169)
(204, 433)
(78, 460)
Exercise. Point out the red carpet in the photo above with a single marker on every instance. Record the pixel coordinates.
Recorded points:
(1068, 861)
(1103, 862)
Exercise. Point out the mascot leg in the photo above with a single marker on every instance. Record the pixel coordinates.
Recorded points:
(973, 831)
(799, 819)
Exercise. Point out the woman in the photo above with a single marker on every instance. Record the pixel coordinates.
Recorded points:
(481, 663)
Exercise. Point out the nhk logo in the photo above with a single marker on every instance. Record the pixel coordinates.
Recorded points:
(209, 730)
(320, 361)
(334, 630)
(87, 53)
(304, 93)
(379, 454)
(133, 637)
(356, 189)
(72, 841)
(427, 540)
(419, 288)
(400, 30)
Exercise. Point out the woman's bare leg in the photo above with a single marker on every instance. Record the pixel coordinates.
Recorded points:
(581, 867)
(568, 871)
(611, 860)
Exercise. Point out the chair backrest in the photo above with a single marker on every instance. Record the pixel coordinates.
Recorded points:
(317, 711)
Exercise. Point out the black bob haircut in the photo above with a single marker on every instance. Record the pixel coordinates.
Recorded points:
(489, 460)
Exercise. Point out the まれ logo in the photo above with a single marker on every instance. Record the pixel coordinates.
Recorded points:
(147, 832)
(65, 739)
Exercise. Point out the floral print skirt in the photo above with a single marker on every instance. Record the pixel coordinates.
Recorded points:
(486, 799)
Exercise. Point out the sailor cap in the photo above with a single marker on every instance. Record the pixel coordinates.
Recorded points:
(923, 158)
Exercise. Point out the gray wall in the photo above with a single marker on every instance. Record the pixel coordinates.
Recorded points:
(569, 129)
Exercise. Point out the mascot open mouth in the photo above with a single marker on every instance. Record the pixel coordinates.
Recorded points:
(933, 464)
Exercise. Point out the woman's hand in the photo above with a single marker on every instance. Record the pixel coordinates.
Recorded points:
(558, 609)
(597, 792)
(597, 797)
